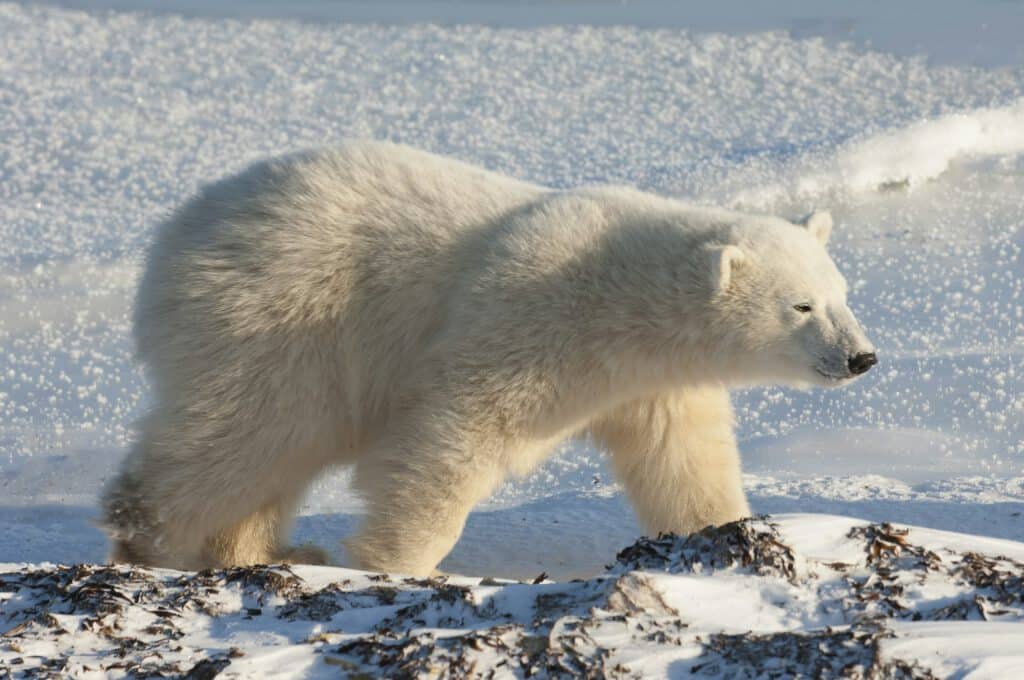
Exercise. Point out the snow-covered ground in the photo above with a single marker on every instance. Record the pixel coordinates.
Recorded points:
(912, 133)
(808, 596)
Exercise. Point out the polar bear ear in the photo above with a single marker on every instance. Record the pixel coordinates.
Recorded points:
(819, 223)
(724, 259)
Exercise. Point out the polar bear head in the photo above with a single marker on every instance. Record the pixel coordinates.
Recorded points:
(781, 303)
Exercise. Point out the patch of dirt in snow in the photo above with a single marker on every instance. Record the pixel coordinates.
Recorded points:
(642, 617)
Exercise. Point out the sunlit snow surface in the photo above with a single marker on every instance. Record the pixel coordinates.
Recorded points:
(108, 120)
(799, 596)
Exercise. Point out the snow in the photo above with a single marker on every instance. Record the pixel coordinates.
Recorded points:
(743, 600)
(983, 33)
(907, 157)
(914, 139)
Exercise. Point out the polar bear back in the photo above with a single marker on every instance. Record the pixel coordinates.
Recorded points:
(328, 264)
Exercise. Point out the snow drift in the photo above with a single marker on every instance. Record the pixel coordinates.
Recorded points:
(898, 159)
(925, 150)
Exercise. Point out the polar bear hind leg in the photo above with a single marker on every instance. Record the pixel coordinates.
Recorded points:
(191, 500)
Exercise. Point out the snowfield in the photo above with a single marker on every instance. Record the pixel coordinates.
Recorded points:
(109, 119)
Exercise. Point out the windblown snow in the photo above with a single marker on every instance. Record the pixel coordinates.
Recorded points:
(109, 119)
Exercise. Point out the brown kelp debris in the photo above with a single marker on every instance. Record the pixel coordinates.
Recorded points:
(74, 620)
(751, 543)
(498, 651)
(851, 652)
(898, 572)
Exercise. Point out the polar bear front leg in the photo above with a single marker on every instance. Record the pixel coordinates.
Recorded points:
(419, 490)
(676, 455)
(261, 538)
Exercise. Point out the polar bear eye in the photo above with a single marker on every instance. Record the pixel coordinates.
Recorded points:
(803, 308)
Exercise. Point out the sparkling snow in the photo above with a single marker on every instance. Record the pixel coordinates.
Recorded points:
(109, 119)
(906, 120)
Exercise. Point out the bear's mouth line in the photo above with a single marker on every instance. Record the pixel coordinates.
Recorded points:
(831, 376)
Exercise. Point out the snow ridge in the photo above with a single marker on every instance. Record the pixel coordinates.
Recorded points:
(897, 159)
(924, 150)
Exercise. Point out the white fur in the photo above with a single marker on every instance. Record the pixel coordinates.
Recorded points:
(819, 223)
(439, 327)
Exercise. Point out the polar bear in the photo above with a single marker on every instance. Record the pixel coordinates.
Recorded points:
(441, 327)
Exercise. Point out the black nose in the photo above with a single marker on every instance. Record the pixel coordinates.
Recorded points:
(860, 363)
